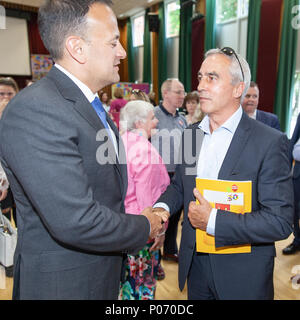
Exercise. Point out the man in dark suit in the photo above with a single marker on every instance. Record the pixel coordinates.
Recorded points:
(295, 245)
(228, 145)
(250, 104)
(64, 161)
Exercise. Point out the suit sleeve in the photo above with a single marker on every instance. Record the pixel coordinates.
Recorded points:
(273, 219)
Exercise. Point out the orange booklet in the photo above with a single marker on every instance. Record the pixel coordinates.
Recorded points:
(233, 196)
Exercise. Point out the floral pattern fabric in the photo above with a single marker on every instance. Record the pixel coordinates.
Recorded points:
(140, 278)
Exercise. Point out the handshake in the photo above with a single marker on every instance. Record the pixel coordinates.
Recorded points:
(157, 218)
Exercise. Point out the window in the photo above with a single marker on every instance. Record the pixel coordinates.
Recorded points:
(296, 103)
(172, 9)
(138, 25)
(228, 10)
(232, 24)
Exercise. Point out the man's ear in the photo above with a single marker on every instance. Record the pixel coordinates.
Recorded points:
(238, 90)
(164, 93)
(76, 48)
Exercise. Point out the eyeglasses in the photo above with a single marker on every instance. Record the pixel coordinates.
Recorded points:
(179, 92)
(136, 90)
(229, 52)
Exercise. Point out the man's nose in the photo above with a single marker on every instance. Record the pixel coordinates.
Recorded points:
(122, 53)
(202, 84)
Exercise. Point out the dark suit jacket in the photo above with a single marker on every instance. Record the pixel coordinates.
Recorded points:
(72, 230)
(257, 153)
(268, 118)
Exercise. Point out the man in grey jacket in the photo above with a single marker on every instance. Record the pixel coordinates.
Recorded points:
(63, 159)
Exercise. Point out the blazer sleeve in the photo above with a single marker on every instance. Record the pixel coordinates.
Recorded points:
(173, 196)
(273, 218)
(276, 124)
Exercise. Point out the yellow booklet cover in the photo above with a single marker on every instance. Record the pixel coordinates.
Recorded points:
(233, 196)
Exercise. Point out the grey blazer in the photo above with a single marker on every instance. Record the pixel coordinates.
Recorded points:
(72, 230)
(258, 153)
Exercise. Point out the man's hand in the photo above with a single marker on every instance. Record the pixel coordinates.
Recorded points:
(155, 220)
(199, 213)
(165, 215)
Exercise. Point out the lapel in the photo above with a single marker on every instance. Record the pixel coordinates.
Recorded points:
(235, 149)
(192, 143)
(121, 161)
(258, 115)
(70, 91)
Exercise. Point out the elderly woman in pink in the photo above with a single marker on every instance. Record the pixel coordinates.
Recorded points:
(147, 180)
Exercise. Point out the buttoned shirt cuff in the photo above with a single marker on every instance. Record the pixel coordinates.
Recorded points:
(162, 205)
(211, 225)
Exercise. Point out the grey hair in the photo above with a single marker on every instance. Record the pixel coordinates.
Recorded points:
(167, 85)
(235, 69)
(134, 111)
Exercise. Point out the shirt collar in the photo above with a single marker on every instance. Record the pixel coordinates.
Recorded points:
(230, 124)
(84, 88)
(253, 116)
(163, 109)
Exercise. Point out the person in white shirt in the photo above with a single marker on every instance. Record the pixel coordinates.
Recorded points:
(228, 145)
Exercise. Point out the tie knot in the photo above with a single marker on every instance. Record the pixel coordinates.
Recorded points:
(98, 105)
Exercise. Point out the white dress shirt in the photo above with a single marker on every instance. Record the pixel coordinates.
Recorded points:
(213, 151)
(253, 115)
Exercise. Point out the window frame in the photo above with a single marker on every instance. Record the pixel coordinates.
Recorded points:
(239, 16)
(166, 4)
(133, 18)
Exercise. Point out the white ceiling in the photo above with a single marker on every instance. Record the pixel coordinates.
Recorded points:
(131, 7)
(122, 8)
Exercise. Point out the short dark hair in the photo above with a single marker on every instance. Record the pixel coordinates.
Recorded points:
(8, 81)
(253, 84)
(57, 19)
